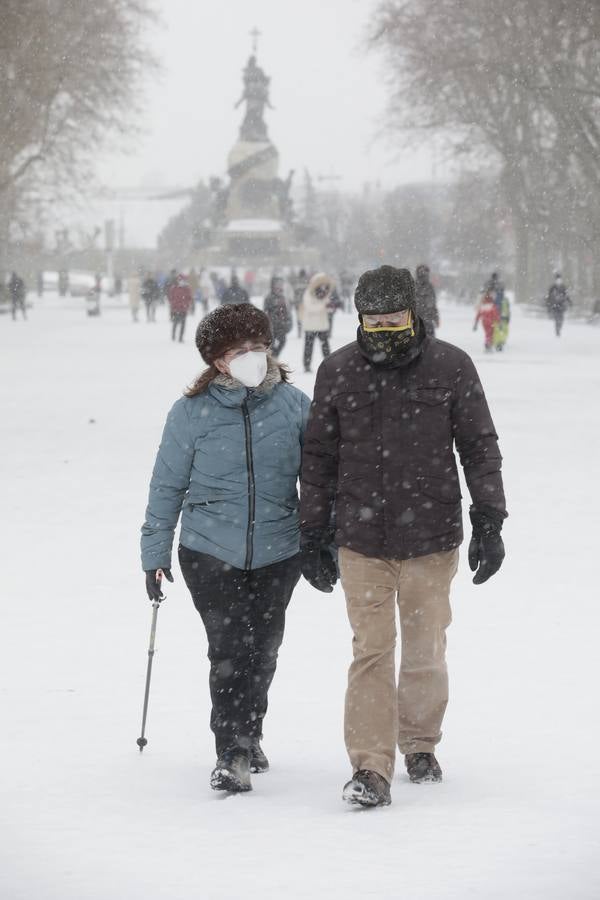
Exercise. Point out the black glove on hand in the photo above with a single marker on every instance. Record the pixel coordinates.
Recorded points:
(154, 584)
(486, 550)
(318, 565)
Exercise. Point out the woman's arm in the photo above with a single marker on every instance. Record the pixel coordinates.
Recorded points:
(168, 487)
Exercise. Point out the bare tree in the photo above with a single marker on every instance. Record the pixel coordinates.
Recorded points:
(514, 83)
(70, 74)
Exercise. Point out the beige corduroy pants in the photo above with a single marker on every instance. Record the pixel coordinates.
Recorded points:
(380, 715)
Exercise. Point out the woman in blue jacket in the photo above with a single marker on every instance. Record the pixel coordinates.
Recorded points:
(230, 459)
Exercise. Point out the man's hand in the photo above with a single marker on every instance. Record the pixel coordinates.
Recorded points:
(486, 549)
(318, 565)
(154, 583)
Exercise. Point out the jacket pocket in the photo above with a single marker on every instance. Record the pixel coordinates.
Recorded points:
(430, 396)
(442, 488)
(355, 411)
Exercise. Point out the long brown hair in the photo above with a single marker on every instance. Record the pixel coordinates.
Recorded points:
(204, 379)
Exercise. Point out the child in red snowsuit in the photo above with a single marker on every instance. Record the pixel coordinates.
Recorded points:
(489, 315)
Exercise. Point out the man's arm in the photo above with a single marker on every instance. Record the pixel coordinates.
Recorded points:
(477, 442)
(319, 463)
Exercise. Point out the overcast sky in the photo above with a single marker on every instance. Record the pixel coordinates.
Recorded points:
(328, 95)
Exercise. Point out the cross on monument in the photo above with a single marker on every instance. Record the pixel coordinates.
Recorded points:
(255, 34)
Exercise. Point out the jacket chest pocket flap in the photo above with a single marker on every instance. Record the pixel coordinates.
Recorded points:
(355, 410)
(430, 396)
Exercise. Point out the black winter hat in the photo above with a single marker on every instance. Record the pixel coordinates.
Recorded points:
(229, 325)
(385, 290)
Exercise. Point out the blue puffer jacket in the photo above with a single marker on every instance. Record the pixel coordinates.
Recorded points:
(231, 458)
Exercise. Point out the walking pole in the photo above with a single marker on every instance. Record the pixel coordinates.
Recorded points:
(141, 741)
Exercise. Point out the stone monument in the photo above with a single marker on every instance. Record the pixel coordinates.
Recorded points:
(252, 213)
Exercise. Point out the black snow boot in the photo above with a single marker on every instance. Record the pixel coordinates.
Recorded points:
(232, 772)
(258, 760)
(422, 768)
(367, 789)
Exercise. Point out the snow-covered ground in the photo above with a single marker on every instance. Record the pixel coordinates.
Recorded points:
(85, 816)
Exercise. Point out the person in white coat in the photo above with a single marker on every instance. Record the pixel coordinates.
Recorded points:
(134, 290)
(315, 315)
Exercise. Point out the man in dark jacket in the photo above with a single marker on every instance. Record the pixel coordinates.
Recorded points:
(18, 292)
(495, 288)
(557, 301)
(378, 450)
(425, 300)
(279, 314)
(235, 293)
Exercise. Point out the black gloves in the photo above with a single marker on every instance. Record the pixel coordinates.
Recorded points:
(153, 583)
(486, 549)
(317, 562)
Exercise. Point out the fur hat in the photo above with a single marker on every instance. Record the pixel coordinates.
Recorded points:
(320, 280)
(229, 325)
(385, 290)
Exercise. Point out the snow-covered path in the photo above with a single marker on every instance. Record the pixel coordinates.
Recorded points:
(84, 816)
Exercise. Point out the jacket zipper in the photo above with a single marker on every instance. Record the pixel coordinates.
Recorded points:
(251, 485)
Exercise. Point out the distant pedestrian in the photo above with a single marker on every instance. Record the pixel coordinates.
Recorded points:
(300, 285)
(168, 282)
(63, 283)
(18, 292)
(501, 327)
(40, 284)
(334, 304)
(488, 315)
(315, 315)
(235, 293)
(134, 291)
(93, 297)
(180, 302)
(150, 295)
(194, 283)
(426, 300)
(206, 289)
(557, 301)
(495, 288)
(279, 314)
(249, 281)
(347, 289)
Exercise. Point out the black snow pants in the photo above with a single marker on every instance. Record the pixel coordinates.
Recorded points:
(178, 319)
(309, 340)
(244, 616)
(278, 344)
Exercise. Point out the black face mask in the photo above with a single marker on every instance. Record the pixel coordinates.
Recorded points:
(390, 348)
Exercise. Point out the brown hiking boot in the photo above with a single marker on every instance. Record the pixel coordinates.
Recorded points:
(422, 768)
(367, 788)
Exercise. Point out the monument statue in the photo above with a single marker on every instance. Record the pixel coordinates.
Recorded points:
(256, 96)
(252, 211)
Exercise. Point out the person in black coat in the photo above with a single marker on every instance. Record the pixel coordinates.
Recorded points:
(557, 301)
(425, 299)
(279, 314)
(18, 292)
(380, 482)
(235, 293)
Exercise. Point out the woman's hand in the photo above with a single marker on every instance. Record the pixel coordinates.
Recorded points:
(154, 583)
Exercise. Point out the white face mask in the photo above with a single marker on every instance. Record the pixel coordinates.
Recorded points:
(250, 368)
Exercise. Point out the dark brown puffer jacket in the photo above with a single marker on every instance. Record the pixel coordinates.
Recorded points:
(379, 445)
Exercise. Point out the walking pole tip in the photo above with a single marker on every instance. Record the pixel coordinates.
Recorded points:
(141, 742)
